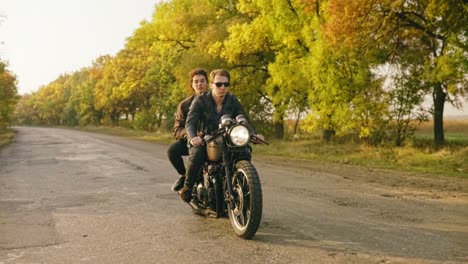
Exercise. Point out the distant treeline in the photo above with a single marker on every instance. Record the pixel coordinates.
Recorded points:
(360, 67)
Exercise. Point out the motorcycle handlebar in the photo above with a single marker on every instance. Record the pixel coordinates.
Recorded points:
(209, 138)
(254, 137)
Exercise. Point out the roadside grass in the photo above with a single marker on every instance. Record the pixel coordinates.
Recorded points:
(419, 156)
(447, 161)
(6, 136)
(161, 137)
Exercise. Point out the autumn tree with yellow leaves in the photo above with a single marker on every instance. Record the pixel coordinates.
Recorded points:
(360, 68)
(8, 95)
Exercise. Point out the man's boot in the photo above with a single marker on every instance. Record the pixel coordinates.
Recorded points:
(179, 183)
(186, 194)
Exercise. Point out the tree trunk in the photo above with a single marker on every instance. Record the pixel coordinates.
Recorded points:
(278, 122)
(296, 124)
(279, 129)
(115, 116)
(439, 100)
(327, 134)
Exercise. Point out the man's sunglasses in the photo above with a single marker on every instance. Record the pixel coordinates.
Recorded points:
(219, 84)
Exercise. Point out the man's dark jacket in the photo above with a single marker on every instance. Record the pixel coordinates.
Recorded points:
(202, 115)
(179, 131)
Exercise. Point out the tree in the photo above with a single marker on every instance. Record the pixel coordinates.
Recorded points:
(105, 99)
(435, 30)
(176, 41)
(406, 109)
(86, 96)
(265, 47)
(24, 113)
(8, 95)
(50, 101)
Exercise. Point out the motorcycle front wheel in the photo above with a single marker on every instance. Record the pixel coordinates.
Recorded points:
(246, 214)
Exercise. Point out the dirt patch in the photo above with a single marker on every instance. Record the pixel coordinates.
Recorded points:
(400, 183)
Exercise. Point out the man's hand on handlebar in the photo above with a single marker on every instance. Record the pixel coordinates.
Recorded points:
(196, 141)
(258, 139)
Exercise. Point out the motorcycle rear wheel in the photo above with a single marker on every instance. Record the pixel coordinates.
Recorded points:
(246, 215)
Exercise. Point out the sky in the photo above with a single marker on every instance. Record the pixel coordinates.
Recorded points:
(41, 39)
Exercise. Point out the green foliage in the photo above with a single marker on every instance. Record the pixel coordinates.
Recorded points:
(24, 113)
(446, 161)
(352, 69)
(144, 121)
(8, 95)
(126, 124)
(6, 136)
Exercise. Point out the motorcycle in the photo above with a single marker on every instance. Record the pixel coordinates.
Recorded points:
(229, 184)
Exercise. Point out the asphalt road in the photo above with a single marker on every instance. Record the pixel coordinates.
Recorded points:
(69, 196)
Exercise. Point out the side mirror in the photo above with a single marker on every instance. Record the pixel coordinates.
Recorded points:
(241, 119)
(226, 121)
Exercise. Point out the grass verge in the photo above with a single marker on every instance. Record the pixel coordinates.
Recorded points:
(446, 161)
(6, 137)
(451, 160)
(165, 137)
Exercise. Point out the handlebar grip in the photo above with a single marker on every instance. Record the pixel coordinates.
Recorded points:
(260, 140)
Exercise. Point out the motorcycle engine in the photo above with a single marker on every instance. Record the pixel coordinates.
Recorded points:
(202, 194)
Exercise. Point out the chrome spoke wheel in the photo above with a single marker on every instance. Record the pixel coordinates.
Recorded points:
(246, 210)
(241, 211)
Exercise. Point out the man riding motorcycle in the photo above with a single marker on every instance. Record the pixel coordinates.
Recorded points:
(204, 115)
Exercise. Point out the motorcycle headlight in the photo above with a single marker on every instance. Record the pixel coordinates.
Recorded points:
(239, 135)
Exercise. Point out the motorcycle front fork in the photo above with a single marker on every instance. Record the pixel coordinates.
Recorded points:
(227, 166)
